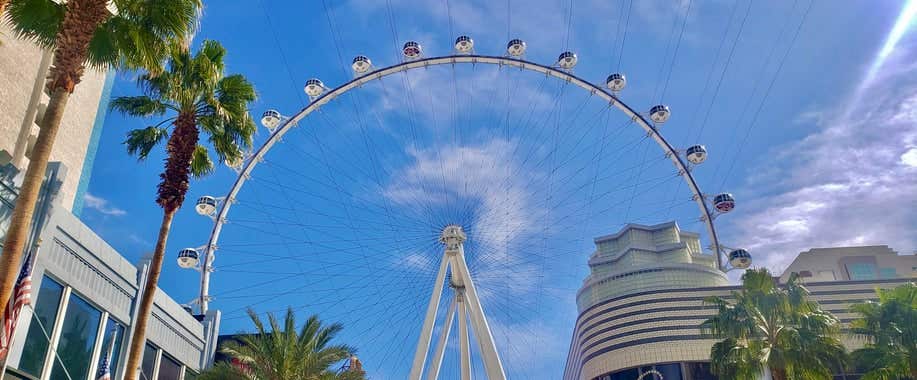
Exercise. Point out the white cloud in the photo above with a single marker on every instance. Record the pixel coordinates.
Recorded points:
(854, 182)
(102, 205)
(909, 158)
(504, 214)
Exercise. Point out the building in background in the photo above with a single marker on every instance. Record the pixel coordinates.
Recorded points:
(875, 262)
(641, 305)
(23, 70)
(85, 296)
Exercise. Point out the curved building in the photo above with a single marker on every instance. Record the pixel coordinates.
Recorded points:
(641, 305)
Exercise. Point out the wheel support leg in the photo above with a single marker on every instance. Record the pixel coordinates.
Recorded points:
(426, 332)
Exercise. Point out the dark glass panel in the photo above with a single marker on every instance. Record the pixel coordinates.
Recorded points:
(77, 339)
(36, 344)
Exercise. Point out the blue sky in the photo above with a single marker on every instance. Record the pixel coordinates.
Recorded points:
(814, 135)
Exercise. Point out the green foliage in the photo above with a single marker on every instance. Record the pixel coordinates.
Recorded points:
(776, 327)
(223, 371)
(277, 351)
(890, 329)
(193, 87)
(141, 141)
(138, 35)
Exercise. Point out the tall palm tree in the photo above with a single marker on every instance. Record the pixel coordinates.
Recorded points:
(193, 95)
(83, 33)
(223, 371)
(890, 328)
(767, 326)
(280, 352)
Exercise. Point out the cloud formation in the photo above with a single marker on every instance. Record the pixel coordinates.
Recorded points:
(852, 183)
(480, 178)
(102, 206)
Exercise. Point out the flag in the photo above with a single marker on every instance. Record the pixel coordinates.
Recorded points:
(22, 295)
(105, 368)
(104, 372)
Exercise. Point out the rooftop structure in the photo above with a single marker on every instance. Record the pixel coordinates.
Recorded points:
(641, 258)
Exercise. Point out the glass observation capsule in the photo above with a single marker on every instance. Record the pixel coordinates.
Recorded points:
(412, 50)
(188, 258)
(314, 87)
(270, 119)
(696, 154)
(464, 44)
(724, 202)
(660, 114)
(516, 48)
(567, 60)
(616, 82)
(206, 205)
(361, 64)
(740, 259)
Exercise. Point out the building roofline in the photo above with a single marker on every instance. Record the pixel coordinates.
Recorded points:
(635, 226)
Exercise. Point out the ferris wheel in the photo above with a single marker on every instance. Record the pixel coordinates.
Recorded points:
(432, 184)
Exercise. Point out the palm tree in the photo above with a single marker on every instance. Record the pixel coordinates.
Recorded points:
(890, 328)
(83, 33)
(223, 371)
(196, 96)
(279, 352)
(778, 328)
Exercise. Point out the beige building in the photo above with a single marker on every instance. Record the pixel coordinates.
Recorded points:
(851, 264)
(649, 319)
(23, 69)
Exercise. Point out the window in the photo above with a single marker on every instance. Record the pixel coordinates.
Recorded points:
(169, 369)
(149, 362)
(111, 345)
(36, 344)
(862, 271)
(826, 275)
(888, 273)
(77, 339)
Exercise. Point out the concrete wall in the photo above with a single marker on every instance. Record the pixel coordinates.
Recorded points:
(19, 63)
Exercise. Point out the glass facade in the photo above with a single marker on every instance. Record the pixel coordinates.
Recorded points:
(35, 348)
(169, 369)
(111, 345)
(77, 339)
(887, 273)
(861, 271)
(77, 333)
(149, 362)
(669, 371)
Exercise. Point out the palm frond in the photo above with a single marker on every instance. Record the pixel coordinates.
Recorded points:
(141, 141)
(35, 20)
(280, 350)
(138, 106)
(201, 165)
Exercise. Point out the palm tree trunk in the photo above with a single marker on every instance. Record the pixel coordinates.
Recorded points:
(23, 212)
(146, 302)
(778, 373)
(172, 190)
(80, 22)
(3, 4)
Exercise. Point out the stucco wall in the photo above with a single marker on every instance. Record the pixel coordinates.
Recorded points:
(19, 63)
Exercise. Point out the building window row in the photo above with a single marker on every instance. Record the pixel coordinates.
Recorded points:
(70, 338)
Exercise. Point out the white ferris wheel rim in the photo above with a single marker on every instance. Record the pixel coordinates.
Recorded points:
(707, 216)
